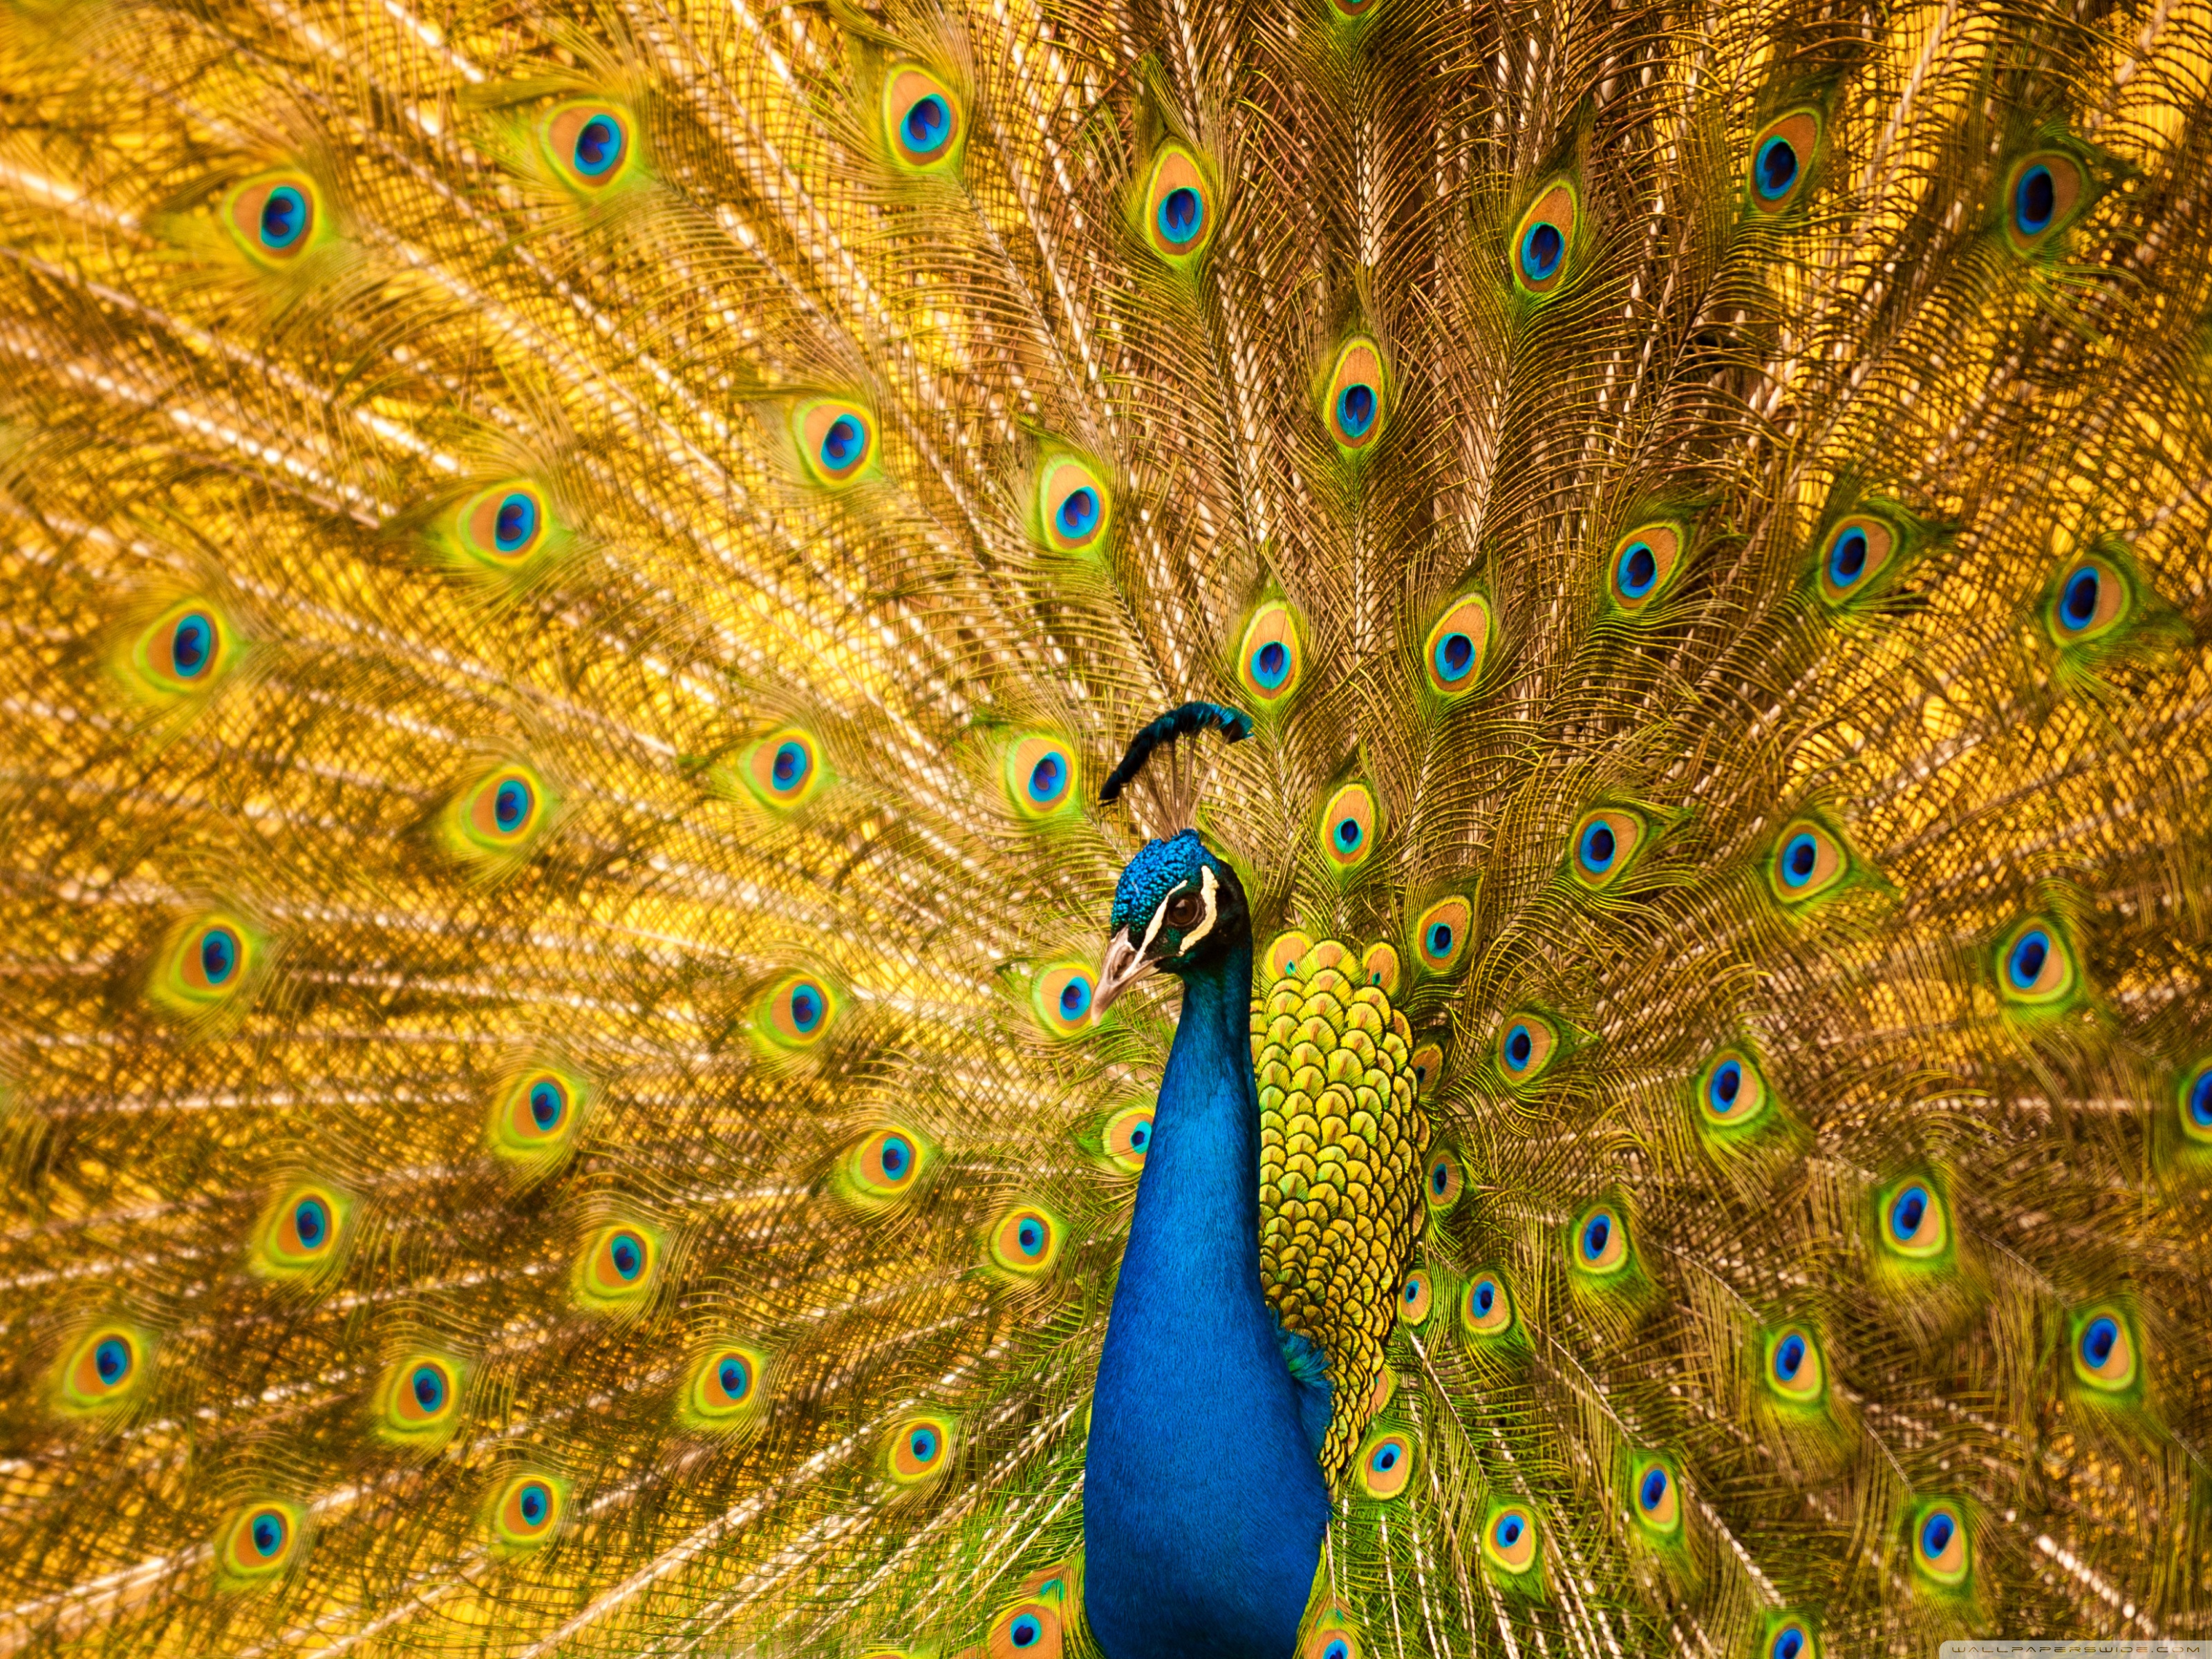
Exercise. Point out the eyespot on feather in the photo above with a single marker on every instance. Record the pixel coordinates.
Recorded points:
(420, 1398)
(1642, 566)
(1527, 1043)
(526, 1510)
(1129, 1137)
(1487, 1309)
(1331, 1641)
(501, 813)
(537, 1115)
(1452, 656)
(2044, 191)
(2090, 598)
(617, 1269)
(1040, 776)
(1027, 1630)
(887, 1163)
(1444, 1182)
(1440, 934)
(1378, 966)
(1731, 1091)
(1509, 1539)
(1348, 826)
(1026, 1241)
(209, 961)
(1910, 1220)
(300, 1233)
(1781, 160)
(2103, 1350)
(1074, 507)
(1179, 207)
(1808, 861)
(257, 1543)
(1271, 656)
(1794, 1369)
(924, 125)
(784, 769)
(2194, 1098)
(1604, 844)
(2035, 965)
(918, 1450)
(1286, 956)
(185, 653)
(1060, 995)
(1853, 554)
(1788, 1636)
(1355, 397)
(797, 1011)
(1386, 1464)
(506, 526)
(1543, 242)
(591, 143)
(276, 218)
(725, 1386)
(104, 1369)
(1655, 1496)
(1599, 1243)
(836, 440)
(1428, 1063)
(1940, 1550)
(1414, 1296)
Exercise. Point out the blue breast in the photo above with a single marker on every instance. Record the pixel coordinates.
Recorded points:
(1203, 1503)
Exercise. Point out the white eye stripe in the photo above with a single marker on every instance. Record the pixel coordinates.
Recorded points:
(1206, 885)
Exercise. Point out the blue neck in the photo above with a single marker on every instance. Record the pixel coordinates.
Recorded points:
(1203, 1503)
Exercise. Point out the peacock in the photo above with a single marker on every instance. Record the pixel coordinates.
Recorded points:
(1148, 828)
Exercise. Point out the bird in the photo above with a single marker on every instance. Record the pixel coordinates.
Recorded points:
(1234, 829)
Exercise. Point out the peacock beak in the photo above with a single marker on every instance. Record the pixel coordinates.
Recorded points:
(1124, 966)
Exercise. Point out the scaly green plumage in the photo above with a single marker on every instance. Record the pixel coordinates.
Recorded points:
(573, 577)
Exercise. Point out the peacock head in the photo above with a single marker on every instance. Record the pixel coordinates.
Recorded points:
(1178, 909)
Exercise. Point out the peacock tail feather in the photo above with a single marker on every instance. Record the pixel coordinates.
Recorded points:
(575, 575)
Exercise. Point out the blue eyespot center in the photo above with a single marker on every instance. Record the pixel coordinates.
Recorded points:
(1776, 169)
(735, 1380)
(2200, 1099)
(1909, 1212)
(1847, 563)
(112, 1360)
(1799, 860)
(896, 1158)
(1046, 778)
(1078, 513)
(1385, 1458)
(1454, 655)
(2077, 608)
(511, 805)
(2034, 200)
(928, 124)
(788, 768)
(283, 218)
(1412, 1291)
(2099, 1339)
(842, 443)
(515, 522)
(1726, 1086)
(1025, 1632)
(806, 1008)
(1789, 1357)
(190, 645)
(1029, 1236)
(1271, 665)
(1937, 1532)
(1355, 409)
(1349, 833)
(1486, 1296)
(2028, 957)
(218, 955)
(428, 1384)
(1337, 1649)
(1651, 1491)
(268, 1535)
(1519, 1046)
(547, 1101)
(1440, 938)
(1596, 1235)
(1509, 1528)
(1598, 847)
(1789, 1645)
(1075, 997)
(598, 146)
(1182, 215)
(1140, 1137)
(534, 1503)
(922, 1445)
(310, 1221)
(1542, 247)
(628, 1256)
(1639, 569)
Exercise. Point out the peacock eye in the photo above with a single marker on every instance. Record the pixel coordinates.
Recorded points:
(1184, 910)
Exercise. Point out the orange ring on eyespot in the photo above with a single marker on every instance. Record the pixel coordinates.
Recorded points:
(505, 807)
(529, 1508)
(2103, 1349)
(1386, 1464)
(923, 121)
(2088, 600)
(1026, 1241)
(1443, 1182)
(1852, 554)
(726, 1383)
(1061, 996)
(1509, 1538)
(107, 1361)
(185, 649)
(1654, 1496)
(1912, 1219)
(274, 217)
(1355, 407)
(422, 1392)
(1600, 1242)
(1940, 1547)
(1348, 826)
(1486, 1309)
(1287, 955)
(1385, 1390)
(215, 959)
(1074, 506)
(2036, 209)
(1378, 966)
(1731, 1091)
(1428, 1063)
(1413, 1299)
(539, 1107)
(1642, 565)
(1028, 1630)
(1543, 242)
(1129, 1137)
(798, 1011)
(306, 1227)
(1179, 211)
(921, 1448)
(784, 766)
(1526, 1044)
(620, 1264)
(1604, 844)
(1781, 160)
(1441, 933)
(1452, 656)
(260, 1540)
(1040, 776)
(1330, 1640)
(2035, 964)
(589, 143)
(888, 1161)
(1807, 860)
(836, 440)
(508, 523)
(1794, 1366)
(1270, 657)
